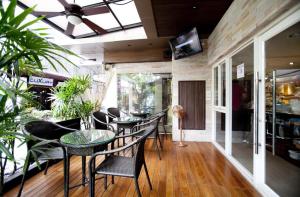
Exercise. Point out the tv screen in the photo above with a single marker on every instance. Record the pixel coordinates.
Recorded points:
(186, 44)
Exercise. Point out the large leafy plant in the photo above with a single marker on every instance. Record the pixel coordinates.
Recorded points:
(21, 51)
(69, 99)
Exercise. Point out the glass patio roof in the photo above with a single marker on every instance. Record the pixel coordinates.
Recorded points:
(123, 15)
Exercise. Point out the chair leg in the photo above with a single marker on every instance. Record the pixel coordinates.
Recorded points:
(46, 169)
(105, 182)
(112, 180)
(157, 149)
(165, 130)
(23, 179)
(160, 144)
(137, 187)
(148, 178)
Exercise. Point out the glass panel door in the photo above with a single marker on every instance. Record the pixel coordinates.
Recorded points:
(282, 103)
(242, 106)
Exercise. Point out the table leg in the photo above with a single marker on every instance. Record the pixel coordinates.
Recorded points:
(83, 170)
(67, 175)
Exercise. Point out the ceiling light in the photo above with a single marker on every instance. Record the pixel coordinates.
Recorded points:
(74, 19)
(194, 7)
(291, 63)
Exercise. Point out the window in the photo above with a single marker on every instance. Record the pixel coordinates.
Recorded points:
(220, 85)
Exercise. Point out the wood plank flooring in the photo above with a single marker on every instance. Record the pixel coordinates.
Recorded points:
(196, 170)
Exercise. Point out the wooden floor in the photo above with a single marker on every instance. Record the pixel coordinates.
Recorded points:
(196, 170)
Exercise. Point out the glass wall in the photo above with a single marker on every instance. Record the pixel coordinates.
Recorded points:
(220, 128)
(223, 84)
(216, 86)
(144, 92)
(220, 103)
(283, 112)
(242, 106)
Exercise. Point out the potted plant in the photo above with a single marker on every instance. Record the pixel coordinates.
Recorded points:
(69, 100)
(21, 51)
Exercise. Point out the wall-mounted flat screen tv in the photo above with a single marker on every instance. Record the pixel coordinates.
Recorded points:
(186, 44)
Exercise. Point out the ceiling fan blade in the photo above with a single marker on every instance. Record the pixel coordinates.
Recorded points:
(64, 3)
(88, 11)
(48, 14)
(69, 29)
(93, 26)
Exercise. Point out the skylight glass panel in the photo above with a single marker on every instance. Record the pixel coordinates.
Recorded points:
(127, 13)
(44, 5)
(61, 21)
(81, 29)
(106, 21)
(84, 2)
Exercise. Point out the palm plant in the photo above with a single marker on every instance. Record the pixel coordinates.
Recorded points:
(21, 51)
(69, 102)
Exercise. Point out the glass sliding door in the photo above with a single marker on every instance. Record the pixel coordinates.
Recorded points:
(282, 105)
(220, 128)
(242, 106)
(219, 72)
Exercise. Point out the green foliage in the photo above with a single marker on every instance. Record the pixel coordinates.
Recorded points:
(68, 101)
(143, 89)
(21, 51)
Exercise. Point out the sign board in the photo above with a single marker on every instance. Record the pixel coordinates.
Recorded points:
(240, 71)
(41, 81)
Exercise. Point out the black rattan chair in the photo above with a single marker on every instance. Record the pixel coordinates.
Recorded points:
(100, 121)
(113, 113)
(155, 134)
(129, 167)
(46, 135)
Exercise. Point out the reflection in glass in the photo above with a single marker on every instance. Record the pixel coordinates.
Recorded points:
(144, 92)
(223, 84)
(216, 85)
(282, 87)
(242, 108)
(220, 128)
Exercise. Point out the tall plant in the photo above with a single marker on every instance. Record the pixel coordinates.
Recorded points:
(21, 51)
(69, 99)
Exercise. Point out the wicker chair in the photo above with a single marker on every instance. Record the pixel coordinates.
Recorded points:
(47, 134)
(100, 121)
(129, 167)
(155, 134)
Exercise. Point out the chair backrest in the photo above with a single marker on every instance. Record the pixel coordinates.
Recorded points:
(100, 116)
(139, 156)
(46, 130)
(115, 112)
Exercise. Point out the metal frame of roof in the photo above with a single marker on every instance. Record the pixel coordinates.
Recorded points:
(88, 35)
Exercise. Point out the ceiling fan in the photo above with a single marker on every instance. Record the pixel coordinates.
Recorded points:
(75, 13)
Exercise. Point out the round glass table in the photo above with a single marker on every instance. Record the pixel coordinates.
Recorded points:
(140, 114)
(85, 143)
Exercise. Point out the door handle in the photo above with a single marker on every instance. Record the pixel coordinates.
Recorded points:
(257, 80)
(273, 112)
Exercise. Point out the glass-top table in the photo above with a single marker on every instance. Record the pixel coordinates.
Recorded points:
(87, 138)
(127, 120)
(140, 114)
(85, 143)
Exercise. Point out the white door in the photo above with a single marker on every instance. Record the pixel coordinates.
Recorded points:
(277, 98)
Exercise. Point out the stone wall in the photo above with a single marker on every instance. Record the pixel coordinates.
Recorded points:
(192, 68)
(144, 67)
(242, 20)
